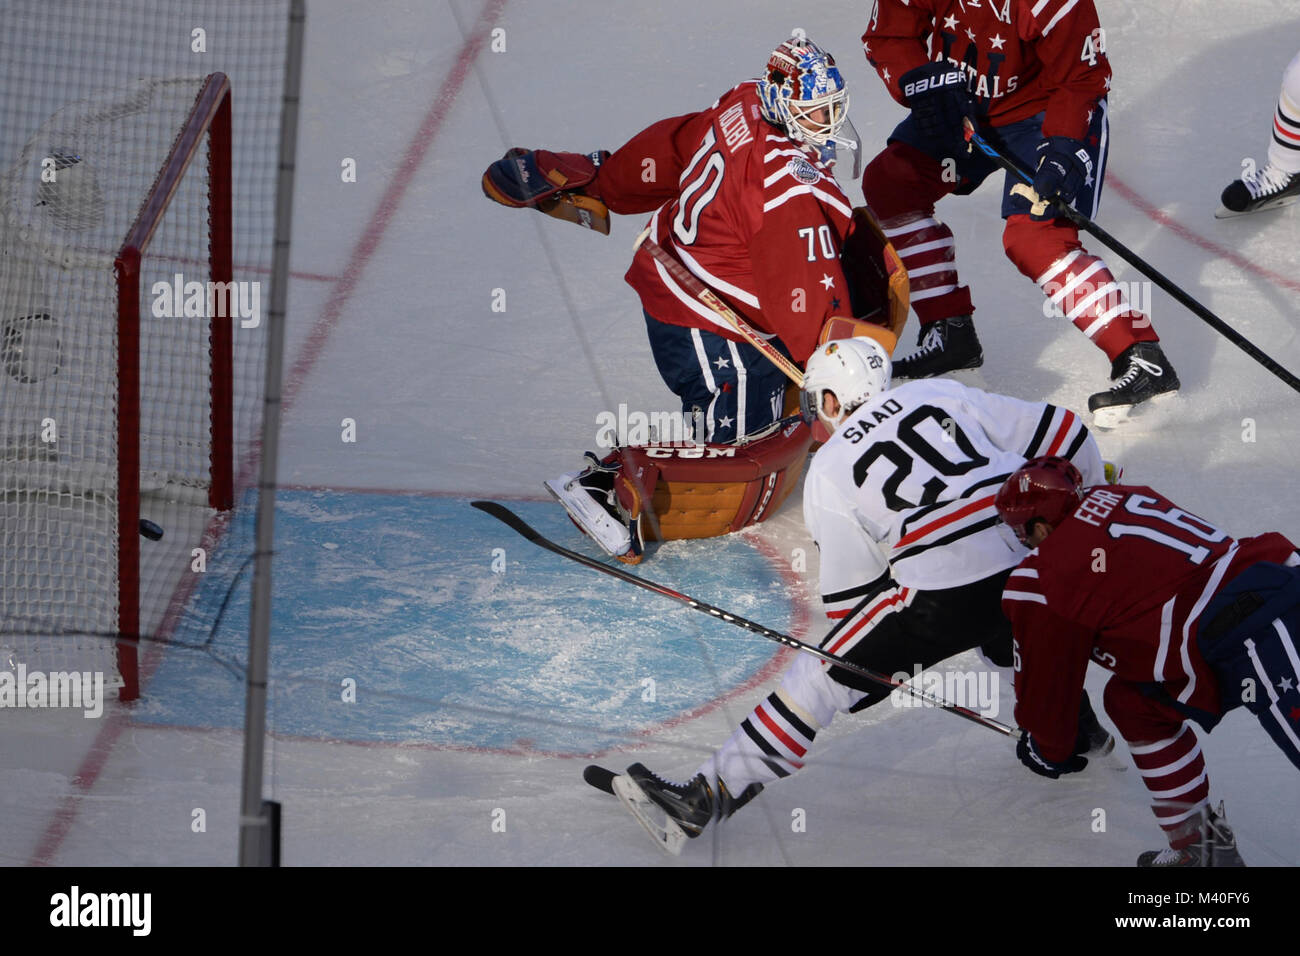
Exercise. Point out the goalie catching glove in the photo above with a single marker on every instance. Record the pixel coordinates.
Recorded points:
(552, 183)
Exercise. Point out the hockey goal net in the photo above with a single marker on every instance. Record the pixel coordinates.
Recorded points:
(116, 297)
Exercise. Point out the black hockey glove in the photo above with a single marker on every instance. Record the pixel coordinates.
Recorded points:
(1063, 168)
(1028, 753)
(940, 98)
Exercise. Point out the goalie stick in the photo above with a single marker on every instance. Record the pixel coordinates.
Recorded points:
(1087, 225)
(508, 517)
(710, 298)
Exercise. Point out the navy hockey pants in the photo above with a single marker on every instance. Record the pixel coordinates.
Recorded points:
(729, 389)
(1250, 634)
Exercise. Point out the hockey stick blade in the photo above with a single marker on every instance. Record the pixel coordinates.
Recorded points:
(505, 515)
(599, 777)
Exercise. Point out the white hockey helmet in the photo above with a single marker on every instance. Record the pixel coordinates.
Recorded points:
(855, 370)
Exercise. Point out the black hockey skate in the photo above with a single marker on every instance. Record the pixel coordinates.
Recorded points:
(1140, 373)
(948, 345)
(1217, 846)
(672, 812)
(1267, 188)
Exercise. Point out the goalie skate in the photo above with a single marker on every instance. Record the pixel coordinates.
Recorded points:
(589, 498)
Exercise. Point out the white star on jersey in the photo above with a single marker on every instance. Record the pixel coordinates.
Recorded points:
(971, 34)
(721, 362)
(950, 23)
(997, 41)
(828, 282)
(724, 421)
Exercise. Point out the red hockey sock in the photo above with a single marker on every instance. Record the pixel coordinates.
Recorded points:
(926, 247)
(901, 186)
(1174, 772)
(1078, 285)
(1168, 756)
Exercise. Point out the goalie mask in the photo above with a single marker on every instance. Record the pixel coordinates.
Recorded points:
(1043, 489)
(802, 91)
(854, 370)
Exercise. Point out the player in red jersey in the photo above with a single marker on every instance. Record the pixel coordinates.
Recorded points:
(1032, 76)
(1190, 621)
(744, 198)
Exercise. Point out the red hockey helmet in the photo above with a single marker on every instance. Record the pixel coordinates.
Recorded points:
(1046, 489)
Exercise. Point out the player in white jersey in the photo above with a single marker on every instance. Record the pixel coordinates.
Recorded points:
(1277, 182)
(900, 501)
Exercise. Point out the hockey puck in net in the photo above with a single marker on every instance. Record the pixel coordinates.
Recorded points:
(150, 530)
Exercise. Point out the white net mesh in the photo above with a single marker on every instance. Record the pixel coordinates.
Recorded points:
(68, 203)
(91, 98)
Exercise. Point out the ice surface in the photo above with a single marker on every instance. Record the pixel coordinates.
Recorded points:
(453, 398)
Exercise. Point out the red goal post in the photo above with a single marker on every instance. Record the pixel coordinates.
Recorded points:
(119, 204)
(211, 115)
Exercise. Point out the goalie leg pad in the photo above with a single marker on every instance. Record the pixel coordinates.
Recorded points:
(706, 490)
(878, 283)
(839, 327)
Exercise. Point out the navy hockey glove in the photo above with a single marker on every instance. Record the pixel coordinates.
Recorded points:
(1064, 167)
(1028, 753)
(940, 98)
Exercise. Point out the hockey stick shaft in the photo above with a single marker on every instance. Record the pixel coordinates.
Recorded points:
(1083, 222)
(508, 517)
(711, 299)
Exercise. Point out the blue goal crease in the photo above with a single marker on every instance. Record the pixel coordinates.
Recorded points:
(412, 619)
